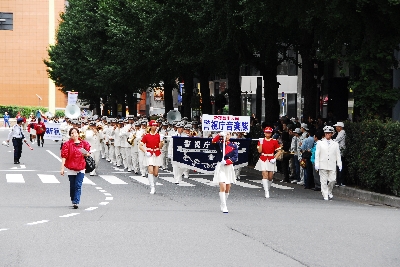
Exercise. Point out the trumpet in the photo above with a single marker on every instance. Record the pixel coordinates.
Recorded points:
(131, 141)
(193, 133)
(82, 135)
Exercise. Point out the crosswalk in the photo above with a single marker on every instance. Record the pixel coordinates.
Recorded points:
(164, 178)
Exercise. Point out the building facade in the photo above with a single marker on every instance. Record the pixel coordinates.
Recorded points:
(23, 77)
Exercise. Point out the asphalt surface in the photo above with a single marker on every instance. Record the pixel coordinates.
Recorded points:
(119, 223)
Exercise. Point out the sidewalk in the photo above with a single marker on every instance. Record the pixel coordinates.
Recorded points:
(345, 191)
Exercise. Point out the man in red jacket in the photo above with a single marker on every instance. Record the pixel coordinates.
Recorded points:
(40, 131)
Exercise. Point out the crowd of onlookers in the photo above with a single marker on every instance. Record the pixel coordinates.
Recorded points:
(298, 140)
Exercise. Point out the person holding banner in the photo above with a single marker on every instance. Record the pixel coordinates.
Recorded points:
(267, 161)
(151, 145)
(224, 174)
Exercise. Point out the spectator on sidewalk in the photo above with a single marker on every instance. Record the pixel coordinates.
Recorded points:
(6, 118)
(294, 149)
(341, 140)
(327, 157)
(306, 146)
(317, 138)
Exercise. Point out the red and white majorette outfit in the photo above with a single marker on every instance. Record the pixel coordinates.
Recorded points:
(153, 152)
(224, 171)
(268, 150)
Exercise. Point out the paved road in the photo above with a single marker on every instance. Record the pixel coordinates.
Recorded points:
(120, 224)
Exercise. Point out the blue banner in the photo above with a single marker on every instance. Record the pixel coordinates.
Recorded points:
(201, 155)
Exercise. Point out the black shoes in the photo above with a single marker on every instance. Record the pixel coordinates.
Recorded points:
(75, 206)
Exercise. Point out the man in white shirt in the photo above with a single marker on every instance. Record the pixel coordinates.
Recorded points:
(327, 157)
(17, 137)
(341, 140)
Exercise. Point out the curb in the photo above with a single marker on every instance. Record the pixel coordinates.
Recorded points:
(351, 192)
(368, 196)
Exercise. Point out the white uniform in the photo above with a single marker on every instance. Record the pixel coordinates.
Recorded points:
(135, 151)
(93, 138)
(139, 134)
(327, 156)
(164, 150)
(176, 169)
(117, 146)
(126, 147)
(111, 151)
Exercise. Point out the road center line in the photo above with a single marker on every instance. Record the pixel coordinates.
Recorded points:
(54, 155)
(38, 222)
(68, 215)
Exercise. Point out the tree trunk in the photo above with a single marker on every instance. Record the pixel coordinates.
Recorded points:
(187, 96)
(205, 92)
(234, 88)
(168, 87)
(309, 86)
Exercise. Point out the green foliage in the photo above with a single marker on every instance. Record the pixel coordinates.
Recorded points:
(372, 155)
(24, 110)
(59, 113)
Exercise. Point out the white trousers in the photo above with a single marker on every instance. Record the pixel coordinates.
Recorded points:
(327, 178)
(111, 153)
(126, 157)
(143, 169)
(135, 160)
(177, 171)
(96, 157)
(118, 155)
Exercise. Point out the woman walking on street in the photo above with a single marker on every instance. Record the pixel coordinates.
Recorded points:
(267, 161)
(73, 159)
(40, 131)
(224, 174)
(151, 145)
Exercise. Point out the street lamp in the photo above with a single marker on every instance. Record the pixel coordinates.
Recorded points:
(40, 98)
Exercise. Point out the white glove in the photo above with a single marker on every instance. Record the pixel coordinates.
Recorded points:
(169, 156)
(161, 137)
(222, 134)
(148, 154)
(272, 160)
(316, 167)
(261, 140)
(223, 162)
(340, 169)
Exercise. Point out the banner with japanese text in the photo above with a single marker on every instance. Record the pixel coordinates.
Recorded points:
(72, 98)
(225, 123)
(201, 155)
(52, 131)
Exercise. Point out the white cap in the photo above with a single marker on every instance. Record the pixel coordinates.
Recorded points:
(304, 125)
(339, 123)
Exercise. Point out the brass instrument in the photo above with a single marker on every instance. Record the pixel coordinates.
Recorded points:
(131, 141)
(193, 133)
(82, 135)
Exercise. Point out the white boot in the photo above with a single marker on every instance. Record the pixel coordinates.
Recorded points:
(151, 182)
(266, 187)
(222, 197)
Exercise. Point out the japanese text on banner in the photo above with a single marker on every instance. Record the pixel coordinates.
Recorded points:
(225, 123)
(52, 131)
(72, 98)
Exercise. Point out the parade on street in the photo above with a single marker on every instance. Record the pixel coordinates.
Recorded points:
(119, 223)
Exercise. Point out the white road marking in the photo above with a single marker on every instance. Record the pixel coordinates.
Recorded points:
(103, 191)
(109, 198)
(203, 181)
(4, 229)
(274, 185)
(38, 222)
(103, 203)
(15, 178)
(68, 215)
(98, 187)
(16, 168)
(172, 180)
(142, 180)
(54, 155)
(91, 208)
(87, 181)
(48, 179)
(107, 194)
(246, 184)
(112, 179)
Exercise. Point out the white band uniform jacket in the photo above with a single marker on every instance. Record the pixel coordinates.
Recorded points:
(327, 155)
